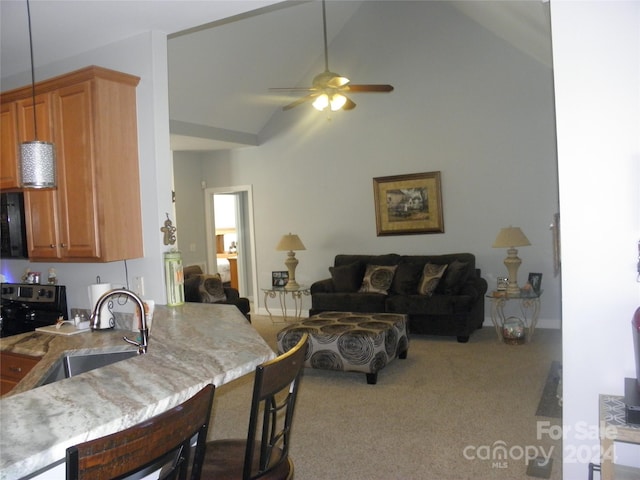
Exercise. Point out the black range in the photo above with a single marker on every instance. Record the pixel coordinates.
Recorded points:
(25, 307)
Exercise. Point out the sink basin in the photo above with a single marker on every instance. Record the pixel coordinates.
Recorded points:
(71, 365)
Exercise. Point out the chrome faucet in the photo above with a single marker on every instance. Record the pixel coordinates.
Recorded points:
(144, 329)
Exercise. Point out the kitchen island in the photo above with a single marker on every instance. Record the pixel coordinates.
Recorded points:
(189, 346)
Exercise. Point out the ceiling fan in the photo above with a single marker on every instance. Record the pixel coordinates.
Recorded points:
(328, 88)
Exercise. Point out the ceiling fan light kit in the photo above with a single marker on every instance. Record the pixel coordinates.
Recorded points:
(335, 102)
(328, 88)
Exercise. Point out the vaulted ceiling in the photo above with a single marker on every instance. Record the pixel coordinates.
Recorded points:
(225, 54)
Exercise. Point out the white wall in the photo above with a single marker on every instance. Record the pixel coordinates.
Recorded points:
(144, 56)
(465, 103)
(596, 53)
(190, 207)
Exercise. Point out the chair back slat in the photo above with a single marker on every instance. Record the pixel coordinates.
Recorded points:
(160, 443)
(274, 398)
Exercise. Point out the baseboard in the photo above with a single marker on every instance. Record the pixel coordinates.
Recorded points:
(553, 323)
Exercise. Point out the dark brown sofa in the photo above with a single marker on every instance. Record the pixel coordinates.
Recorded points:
(455, 307)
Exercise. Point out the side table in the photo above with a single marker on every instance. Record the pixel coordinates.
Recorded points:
(614, 428)
(281, 293)
(529, 306)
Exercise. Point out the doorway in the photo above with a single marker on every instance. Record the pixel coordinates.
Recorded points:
(232, 235)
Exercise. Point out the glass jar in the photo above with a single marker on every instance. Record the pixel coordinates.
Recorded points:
(514, 331)
(174, 278)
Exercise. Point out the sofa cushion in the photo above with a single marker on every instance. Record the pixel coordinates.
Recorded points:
(347, 278)
(454, 278)
(431, 275)
(377, 279)
(407, 278)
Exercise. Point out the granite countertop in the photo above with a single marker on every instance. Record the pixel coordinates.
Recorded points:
(189, 347)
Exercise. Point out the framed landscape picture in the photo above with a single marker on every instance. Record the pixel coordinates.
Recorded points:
(279, 279)
(408, 204)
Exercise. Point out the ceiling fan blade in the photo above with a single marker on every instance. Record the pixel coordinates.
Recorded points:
(369, 88)
(349, 105)
(292, 89)
(300, 101)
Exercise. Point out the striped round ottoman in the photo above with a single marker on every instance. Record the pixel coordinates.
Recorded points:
(350, 342)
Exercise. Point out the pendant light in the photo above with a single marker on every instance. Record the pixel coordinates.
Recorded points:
(37, 158)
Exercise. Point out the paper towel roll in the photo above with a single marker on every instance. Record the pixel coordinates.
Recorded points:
(96, 291)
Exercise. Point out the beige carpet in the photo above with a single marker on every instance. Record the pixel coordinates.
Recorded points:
(449, 411)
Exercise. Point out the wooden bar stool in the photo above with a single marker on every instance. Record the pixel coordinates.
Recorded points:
(264, 453)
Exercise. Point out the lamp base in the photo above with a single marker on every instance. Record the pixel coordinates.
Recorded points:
(291, 263)
(513, 290)
(512, 262)
(292, 285)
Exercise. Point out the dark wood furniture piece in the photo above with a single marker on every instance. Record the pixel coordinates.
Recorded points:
(264, 453)
(160, 443)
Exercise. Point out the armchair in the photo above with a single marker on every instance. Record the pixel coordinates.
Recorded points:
(202, 288)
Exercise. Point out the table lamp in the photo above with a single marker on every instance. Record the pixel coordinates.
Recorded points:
(291, 242)
(509, 238)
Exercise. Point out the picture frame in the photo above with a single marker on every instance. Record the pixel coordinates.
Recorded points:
(408, 204)
(279, 278)
(535, 280)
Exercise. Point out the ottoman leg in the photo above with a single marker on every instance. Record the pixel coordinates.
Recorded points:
(372, 378)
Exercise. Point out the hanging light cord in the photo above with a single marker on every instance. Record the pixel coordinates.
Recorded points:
(324, 25)
(33, 74)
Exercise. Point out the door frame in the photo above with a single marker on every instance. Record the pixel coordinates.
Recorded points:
(212, 266)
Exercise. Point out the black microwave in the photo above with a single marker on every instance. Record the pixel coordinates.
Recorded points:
(13, 235)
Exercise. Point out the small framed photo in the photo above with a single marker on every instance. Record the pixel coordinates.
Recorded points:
(279, 279)
(502, 284)
(535, 280)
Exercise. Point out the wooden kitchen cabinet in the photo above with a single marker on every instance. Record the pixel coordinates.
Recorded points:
(8, 147)
(40, 205)
(13, 368)
(94, 214)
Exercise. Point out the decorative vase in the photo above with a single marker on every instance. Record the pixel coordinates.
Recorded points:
(514, 331)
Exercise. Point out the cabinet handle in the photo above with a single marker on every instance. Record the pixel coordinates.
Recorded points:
(63, 245)
(52, 245)
(15, 369)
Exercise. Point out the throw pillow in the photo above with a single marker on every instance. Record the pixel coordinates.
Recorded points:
(378, 278)
(455, 276)
(211, 289)
(431, 275)
(406, 279)
(347, 278)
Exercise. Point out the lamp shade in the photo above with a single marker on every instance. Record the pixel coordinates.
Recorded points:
(37, 165)
(290, 242)
(511, 237)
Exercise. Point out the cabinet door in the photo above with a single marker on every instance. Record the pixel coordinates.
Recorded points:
(13, 368)
(73, 118)
(41, 216)
(41, 212)
(8, 147)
